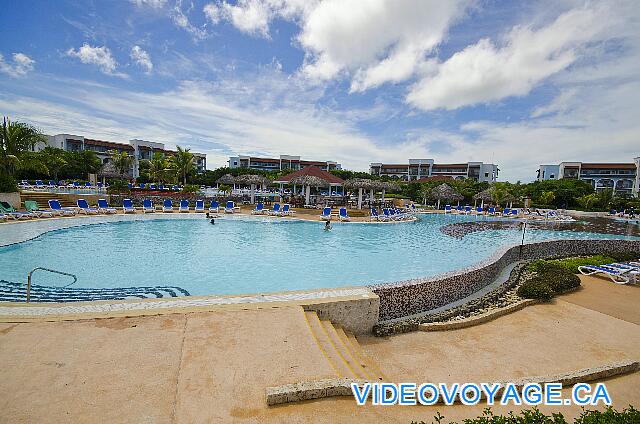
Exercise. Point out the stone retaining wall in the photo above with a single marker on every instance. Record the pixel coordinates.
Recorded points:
(410, 297)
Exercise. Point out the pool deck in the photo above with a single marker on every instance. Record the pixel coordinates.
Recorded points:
(214, 366)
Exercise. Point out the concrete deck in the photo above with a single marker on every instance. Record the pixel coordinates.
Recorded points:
(214, 366)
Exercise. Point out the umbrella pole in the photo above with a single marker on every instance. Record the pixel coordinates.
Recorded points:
(371, 194)
(360, 198)
(308, 194)
(438, 208)
(253, 194)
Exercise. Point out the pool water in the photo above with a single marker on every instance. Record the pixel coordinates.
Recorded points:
(248, 255)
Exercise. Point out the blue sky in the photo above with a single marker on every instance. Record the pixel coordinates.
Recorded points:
(516, 83)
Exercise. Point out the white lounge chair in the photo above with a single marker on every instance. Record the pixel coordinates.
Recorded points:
(103, 207)
(615, 272)
(147, 206)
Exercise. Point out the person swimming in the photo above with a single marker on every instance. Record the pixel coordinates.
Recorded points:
(327, 225)
(213, 221)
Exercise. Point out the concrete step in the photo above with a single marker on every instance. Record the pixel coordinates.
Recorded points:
(327, 347)
(342, 350)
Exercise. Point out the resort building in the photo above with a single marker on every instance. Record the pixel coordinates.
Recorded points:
(622, 178)
(139, 149)
(418, 169)
(293, 163)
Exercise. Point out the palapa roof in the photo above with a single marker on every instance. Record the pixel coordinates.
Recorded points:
(312, 171)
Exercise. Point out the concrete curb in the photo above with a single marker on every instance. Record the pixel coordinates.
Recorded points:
(332, 387)
(476, 320)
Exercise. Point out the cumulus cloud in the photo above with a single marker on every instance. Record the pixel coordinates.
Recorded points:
(487, 72)
(141, 58)
(22, 64)
(99, 56)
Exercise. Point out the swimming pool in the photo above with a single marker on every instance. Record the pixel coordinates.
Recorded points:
(249, 255)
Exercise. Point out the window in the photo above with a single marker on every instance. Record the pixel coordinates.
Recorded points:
(486, 175)
(552, 176)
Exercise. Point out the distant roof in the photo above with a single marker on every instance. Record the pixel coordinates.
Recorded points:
(111, 144)
(312, 171)
(608, 166)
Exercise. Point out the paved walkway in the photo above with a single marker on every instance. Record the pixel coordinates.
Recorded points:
(214, 366)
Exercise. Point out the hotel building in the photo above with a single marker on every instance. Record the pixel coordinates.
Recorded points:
(139, 149)
(418, 169)
(293, 163)
(622, 178)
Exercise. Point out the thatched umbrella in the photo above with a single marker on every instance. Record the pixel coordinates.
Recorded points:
(307, 181)
(445, 191)
(227, 179)
(385, 185)
(484, 196)
(253, 180)
(360, 184)
(108, 171)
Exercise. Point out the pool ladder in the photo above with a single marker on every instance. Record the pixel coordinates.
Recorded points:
(48, 270)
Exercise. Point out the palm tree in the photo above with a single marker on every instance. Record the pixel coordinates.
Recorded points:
(121, 161)
(159, 168)
(184, 162)
(54, 160)
(17, 143)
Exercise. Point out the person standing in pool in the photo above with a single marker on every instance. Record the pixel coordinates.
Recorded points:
(327, 226)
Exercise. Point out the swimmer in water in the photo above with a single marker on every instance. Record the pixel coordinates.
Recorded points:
(327, 225)
(213, 221)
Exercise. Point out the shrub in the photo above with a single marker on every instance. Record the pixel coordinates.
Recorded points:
(119, 186)
(562, 282)
(536, 288)
(191, 189)
(7, 184)
(569, 264)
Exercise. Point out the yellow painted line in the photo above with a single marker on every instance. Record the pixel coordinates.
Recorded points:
(368, 360)
(319, 344)
(356, 355)
(355, 375)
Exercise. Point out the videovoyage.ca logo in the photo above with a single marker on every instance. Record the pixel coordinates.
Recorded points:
(472, 394)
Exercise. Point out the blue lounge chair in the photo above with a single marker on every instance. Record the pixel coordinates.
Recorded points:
(127, 206)
(467, 210)
(3, 217)
(374, 215)
(326, 214)
(275, 210)
(214, 207)
(286, 209)
(259, 210)
(167, 205)
(161, 187)
(514, 212)
(147, 206)
(459, 209)
(88, 184)
(491, 210)
(103, 207)
(616, 274)
(184, 206)
(479, 210)
(130, 186)
(83, 206)
(141, 185)
(52, 184)
(152, 186)
(505, 212)
(447, 208)
(199, 206)
(342, 215)
(230, 207)
(39, 184)
(54, 205)
(100, 185)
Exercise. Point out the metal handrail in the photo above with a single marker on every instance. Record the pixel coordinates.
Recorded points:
(75, 279)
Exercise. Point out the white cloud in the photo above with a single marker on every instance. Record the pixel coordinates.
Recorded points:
(250, 16)
(182, 21)
(380, 41)
(156, 4)
(212, 12)
(486, 72)
(99, 56)
(22, 64)
(141, 58)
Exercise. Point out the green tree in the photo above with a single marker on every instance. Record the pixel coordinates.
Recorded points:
(160, 169)
(547, 198)
(121, 161)
(17, 142)
(184, 162)
(54, 160)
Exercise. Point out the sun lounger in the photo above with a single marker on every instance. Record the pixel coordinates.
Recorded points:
(127, 206)
(259, 210)
(54, 205)
(286, 210)
(184, 206)
(276, 209)
(230, 207)
(147, 206)
(103, 207)
(447, 209)
(3, 217)
(326, 214)
(199, 206)
(214, 207)
(167, 205)
(342, 214)
(83, 206)
(459, 209)
(467, 210)
(514, 212)
(616, 274)
(374, 215)
(9, 211)
(32, 207)
(506, 212)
